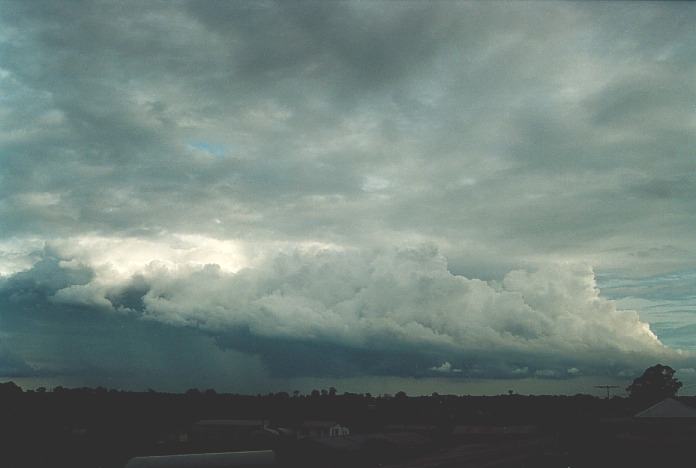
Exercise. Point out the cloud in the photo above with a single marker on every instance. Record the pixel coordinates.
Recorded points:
(445, 368)
(13, 365)
(143, 141)
(50, 333)
(354, 125)
(389, 312)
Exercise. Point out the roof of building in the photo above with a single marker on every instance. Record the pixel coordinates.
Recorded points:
(668, 408)
(206, 460)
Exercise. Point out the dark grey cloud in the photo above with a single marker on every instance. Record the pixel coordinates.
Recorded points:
(12, 365)
(44, 339)
(470, 114)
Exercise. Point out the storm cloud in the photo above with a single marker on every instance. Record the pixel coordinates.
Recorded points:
(400, 188)
(394, 312)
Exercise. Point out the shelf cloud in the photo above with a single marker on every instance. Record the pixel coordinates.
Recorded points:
(394, 312)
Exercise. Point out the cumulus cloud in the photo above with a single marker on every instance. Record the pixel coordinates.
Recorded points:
(360, 310)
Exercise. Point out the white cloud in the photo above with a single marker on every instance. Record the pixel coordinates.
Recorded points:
(404, 299)
(373, 183)
(122, 257)
(18, 254)
(445, 368)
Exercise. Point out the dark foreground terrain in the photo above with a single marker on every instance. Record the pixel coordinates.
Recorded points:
(93, 428)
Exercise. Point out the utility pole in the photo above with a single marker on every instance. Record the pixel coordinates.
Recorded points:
(607, 387)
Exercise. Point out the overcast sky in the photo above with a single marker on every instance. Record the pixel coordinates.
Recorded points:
(432, 196)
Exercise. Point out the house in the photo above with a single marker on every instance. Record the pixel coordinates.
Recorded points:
(206, 460)
(667, 420)
(322, 429)
(338, 431)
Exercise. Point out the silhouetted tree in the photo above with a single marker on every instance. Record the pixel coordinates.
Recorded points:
(332, 391)
(10, 388)
(400, 395)
(315, 393)
(656, 383)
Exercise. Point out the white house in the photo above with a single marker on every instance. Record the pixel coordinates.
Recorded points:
(337, 430)
(322, 429)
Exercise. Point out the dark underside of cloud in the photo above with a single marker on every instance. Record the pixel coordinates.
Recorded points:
(13, 365)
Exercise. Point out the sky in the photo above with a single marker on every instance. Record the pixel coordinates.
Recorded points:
(462, 197)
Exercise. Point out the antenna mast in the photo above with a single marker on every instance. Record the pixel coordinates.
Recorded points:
(607, 387)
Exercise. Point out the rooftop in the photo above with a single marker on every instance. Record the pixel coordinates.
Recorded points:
(668, 408)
